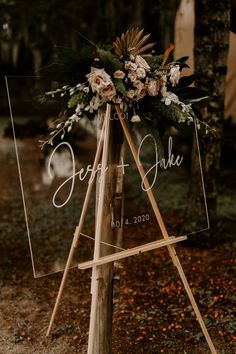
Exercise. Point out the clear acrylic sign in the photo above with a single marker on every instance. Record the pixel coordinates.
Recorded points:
(54, 182)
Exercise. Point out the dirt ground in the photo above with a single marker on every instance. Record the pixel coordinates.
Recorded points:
(152, 313)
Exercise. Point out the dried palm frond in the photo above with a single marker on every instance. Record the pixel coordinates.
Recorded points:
(133, 42)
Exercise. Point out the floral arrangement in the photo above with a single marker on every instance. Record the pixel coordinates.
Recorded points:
(146, 86)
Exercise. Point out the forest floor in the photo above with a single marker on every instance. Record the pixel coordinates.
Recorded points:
(152, 313)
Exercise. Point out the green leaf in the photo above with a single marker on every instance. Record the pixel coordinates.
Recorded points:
(154, 61)
(109, 61)
(120, 86)
(54, 72)
(80, 97)
(172, 113)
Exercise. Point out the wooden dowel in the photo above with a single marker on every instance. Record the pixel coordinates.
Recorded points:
(98, 229)
(131, 252)
(144, 179)
(77, 232)
(195, 307)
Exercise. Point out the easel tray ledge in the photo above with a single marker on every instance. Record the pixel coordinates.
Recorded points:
(131, 252)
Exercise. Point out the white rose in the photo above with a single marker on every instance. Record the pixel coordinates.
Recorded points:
(108, 92)
(141, 63)
(163, 81)
(139, 84)
(132, 76)
(130, 94)
(119, 74)
(153, 87)
(129, 65)
(98, 79)
(141, 73)
(141, 92)
(174, 75)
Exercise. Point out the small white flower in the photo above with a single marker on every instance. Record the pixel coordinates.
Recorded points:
(135, 119)
(170, 97)
(186, 107)
(174, 75)
(167, 101)
(94, 104)
(86, 89)
(79, 108)
(73, 118)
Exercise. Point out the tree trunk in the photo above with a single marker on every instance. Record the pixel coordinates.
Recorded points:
(103, 328)
(159, 19)
(211, 46)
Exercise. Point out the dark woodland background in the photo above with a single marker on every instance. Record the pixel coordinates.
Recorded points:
(153, 309)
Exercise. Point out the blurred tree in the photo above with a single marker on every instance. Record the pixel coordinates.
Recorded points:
(159, 19)
(29, 29)
(211, 47)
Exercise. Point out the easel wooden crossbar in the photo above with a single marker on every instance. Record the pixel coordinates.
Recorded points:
(167, 241)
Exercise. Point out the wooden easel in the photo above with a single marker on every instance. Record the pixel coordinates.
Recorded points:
(168, 241)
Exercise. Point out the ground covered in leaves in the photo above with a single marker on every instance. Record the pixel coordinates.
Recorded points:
(152, 313)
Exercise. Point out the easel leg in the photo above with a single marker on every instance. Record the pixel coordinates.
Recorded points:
(77, 232)
(193, 303)
(98, 231)
(160, 221)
